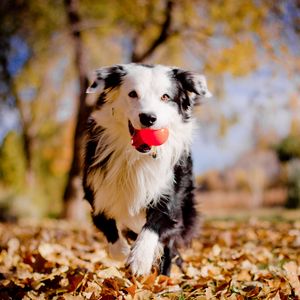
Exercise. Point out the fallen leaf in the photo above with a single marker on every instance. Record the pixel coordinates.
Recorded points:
(292, 275)
(131, 289)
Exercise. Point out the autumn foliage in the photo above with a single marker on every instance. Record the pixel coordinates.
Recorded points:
(253, 259)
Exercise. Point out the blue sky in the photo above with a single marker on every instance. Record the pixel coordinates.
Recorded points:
(259, 100)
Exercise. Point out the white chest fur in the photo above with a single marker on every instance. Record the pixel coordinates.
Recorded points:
(130, 182)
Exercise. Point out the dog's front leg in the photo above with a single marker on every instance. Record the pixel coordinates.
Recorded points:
(147, 247)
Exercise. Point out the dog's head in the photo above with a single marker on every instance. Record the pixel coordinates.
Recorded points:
(148, 96)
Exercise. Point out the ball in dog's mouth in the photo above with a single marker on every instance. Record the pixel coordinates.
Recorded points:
(144, 139)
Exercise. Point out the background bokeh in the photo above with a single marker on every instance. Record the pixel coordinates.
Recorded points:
(247, 146)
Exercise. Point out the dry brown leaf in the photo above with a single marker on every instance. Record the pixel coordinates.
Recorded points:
(276, 297)
(209, 293)
(165, 279)
(149, 280)
(231, 260)
(109, 272)
(131, 290)
(244, 275)
(292, 275)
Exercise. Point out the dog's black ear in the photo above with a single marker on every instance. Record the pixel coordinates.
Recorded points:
(193, 83)
(107, 77)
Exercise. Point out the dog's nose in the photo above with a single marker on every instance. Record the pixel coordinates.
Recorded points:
(147, 119)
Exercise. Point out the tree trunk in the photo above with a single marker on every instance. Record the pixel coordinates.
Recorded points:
(73, 203)
(28, 139)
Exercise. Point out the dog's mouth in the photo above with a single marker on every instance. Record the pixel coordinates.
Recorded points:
(135, 141)
(147, 139)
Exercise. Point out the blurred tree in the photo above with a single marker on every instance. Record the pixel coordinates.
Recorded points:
(293, 184)
(8, 29)
(72, 195)
(12, 167)
(288, 148)
(288, 152)
(217, 36)
(165, 31)
(25, 27)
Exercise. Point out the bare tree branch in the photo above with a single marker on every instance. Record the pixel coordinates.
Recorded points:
(165, 33)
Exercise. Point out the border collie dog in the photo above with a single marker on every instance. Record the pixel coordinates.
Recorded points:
(142, 197)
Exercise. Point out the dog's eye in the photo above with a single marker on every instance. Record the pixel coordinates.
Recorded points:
(133, 94)
(165, 97)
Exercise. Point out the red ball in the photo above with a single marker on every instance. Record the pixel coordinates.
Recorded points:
(150, 137)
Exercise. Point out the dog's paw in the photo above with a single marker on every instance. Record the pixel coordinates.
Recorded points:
(143, 253)
(139, 263)
(119, 250)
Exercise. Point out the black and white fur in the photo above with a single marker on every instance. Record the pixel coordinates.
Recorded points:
(133, 193)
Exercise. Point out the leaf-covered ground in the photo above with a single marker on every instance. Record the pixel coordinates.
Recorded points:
(232, 260)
